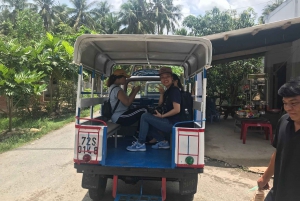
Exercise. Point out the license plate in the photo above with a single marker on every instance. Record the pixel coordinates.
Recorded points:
(88, 144)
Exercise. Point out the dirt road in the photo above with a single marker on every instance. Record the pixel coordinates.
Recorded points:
(43, 170)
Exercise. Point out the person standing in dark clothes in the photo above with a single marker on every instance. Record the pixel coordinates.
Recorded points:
(285, 161)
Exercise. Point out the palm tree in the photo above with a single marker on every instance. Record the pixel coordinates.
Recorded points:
(81, 13)
(133, 20)
(111, 24)
(102, 9)
(14, 6)
(166, 15)
(60, 14)
(46, 12)
(100, 12)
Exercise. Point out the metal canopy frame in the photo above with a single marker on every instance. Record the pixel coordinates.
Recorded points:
(99, 53)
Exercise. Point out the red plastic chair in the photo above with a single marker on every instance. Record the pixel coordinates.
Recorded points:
(266, 125)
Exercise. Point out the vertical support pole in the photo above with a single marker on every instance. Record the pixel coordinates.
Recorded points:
(174, 148)
(204, 96)
(115, 186)
(196, 97)
(79, 86)
(267, 92)
(92, 94)
(164, 189)
(101, 89)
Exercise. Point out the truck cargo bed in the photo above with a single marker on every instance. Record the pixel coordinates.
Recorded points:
(151, 158)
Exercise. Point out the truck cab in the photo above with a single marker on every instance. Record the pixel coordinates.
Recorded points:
(100, 145)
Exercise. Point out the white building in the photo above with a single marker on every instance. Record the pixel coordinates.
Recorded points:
(287, 10)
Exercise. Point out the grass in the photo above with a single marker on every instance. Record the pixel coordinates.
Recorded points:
(21, 129)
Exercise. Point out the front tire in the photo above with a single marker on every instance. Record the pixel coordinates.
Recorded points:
(97, 194)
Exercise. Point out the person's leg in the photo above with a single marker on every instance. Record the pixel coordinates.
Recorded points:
(152, 137)
(146, 121)
(270, 196)
(158, 123)
(131, 116)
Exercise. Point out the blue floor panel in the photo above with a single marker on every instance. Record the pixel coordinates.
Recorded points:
(151, 158)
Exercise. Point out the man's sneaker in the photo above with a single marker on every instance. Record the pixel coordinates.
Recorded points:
(161, 145)
(136, 146)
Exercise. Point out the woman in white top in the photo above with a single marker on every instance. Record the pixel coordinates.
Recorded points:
(122, 114)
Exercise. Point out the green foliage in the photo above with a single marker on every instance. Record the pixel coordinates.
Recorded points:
(217, 21)
(22, 134)
(24, 82)
(6, 28)
(29, 26)
(181, 31)
(133, 19)
(224, 81)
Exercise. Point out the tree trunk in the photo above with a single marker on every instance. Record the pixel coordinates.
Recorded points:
(10, 113)
(77, 21)
(57, 106)
(51, 93)
(141, 2)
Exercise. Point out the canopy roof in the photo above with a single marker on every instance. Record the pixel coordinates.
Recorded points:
(102, 52)
(254, 41)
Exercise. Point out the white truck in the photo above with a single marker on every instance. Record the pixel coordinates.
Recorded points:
(100, 146)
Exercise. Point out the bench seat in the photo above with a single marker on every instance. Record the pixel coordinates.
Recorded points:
(112, 128)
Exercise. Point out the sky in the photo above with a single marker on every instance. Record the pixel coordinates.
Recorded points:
(198, 7)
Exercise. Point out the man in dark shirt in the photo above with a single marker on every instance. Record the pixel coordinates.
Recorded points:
(285, 161)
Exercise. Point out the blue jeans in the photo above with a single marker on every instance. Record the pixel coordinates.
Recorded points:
(150, 123)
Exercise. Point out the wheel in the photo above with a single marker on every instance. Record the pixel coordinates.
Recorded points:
(189, 197)
(97, 194)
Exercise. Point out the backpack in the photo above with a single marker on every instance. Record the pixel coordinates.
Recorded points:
(186, 109)
(106, 108)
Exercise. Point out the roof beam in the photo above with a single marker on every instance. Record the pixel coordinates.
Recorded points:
(286, 25)
(255, 31)
(100, 50)
(226, 37)
(191, 52)
(143, 62)
(218, 58)
(149, 53)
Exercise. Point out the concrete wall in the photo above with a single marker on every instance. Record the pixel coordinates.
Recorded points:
(287, 10)
(278, 57)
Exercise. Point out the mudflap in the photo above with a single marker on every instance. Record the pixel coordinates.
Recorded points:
(90, 181)
(188, 185)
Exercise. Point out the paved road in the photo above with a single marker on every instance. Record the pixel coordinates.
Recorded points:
(43, 170)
